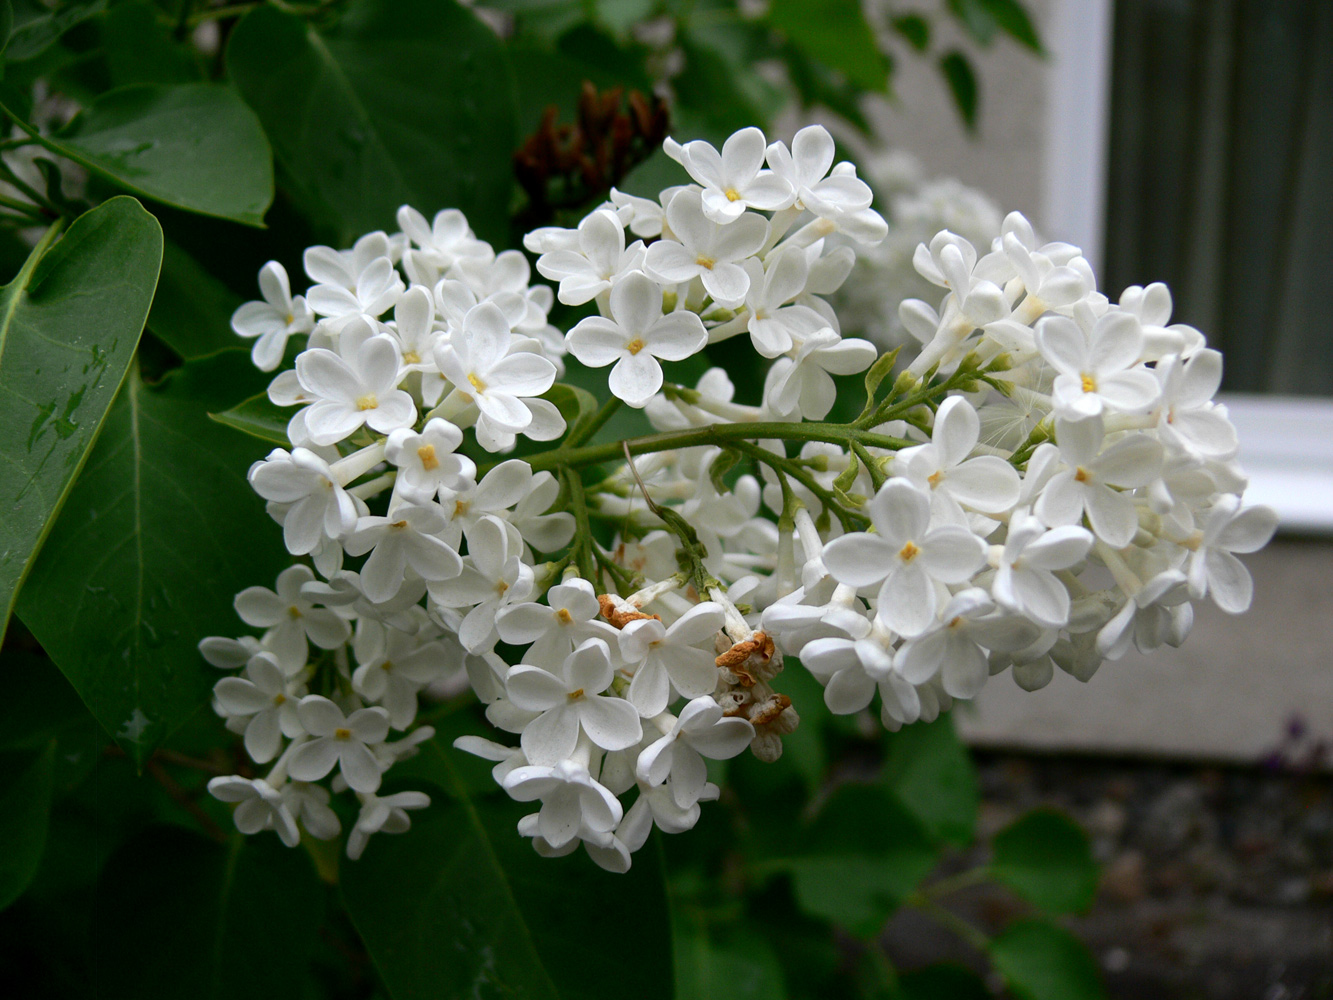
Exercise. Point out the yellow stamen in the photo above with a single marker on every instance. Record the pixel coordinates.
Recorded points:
(398, 524)
(386, 665)
(634, 346)
(731, 193)
(934, 478)
(564, 617)
(427, 455)
(411, 358)
(342, 734)
(1081, 475)
(1089, 383)
(367, 402)
(908, 552)
(576, 695)
(477, 383)
(501, 586)
(294, 611)
(706, 262)
(460, 507)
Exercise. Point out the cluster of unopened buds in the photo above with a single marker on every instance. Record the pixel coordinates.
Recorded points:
(1047, 483)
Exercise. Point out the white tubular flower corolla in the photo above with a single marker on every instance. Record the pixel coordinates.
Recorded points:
(703, 249)
(733, 180)
(271, 322)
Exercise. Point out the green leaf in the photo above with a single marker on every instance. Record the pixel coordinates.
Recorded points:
(975, 18)
(259, 417)
(934, 982)
(39, 703)
(1041, 961)
(158, 535)
(865, 854)
(403, 101)
(68, 327)
(962, 84)
(736, 962)
(233, 920)
(878, 372)
(914, 28)
(192, 309)
(192, 145)
(139, 49)
(1012, 18)
(836, 33)
(574, 403)
(462, 906)
(1046, 858)
(6, 23)
(25, 808)
(36, 26)
(931, 773)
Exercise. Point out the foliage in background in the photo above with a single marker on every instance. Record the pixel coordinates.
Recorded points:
(128, 523)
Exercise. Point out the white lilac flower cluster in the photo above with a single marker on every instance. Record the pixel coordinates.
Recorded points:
(1046, 484)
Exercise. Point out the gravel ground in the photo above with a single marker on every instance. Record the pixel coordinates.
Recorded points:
(1217, 882)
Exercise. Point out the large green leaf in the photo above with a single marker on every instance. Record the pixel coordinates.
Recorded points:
(836, 33)
(462, 906)
(865, 854)
(25, 806)
(233, 920)
(192, 309)
(259, 417)
(37, 25)
(1041, 961)
(1045, 857)
(402, 101)
(68, 327)
(158, 535)
(192, 145)
(931, 773)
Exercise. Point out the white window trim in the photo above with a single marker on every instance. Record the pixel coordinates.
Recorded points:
(1286, 442)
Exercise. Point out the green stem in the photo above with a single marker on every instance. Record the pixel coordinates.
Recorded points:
(712, 434)
(578, 502)
(595, 423)
(947, 918)
(850, 519)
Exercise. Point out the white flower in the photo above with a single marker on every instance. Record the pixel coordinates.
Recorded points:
(1213, 570)
(1087, 485)
(309, 804)
(387, 814)
(534, 521)
(773, 324)
(570, 799)
(671, 657)
(290, 618)
(555, 629)
(700, 731)
(804, 167)
(506, 758)
(410, 536)
(987, 483)
(440, 244)
(571, 699)
(351, 393)
(591, 265)
(317, 507)
(1098, 367)
(427, 462)
(852, 669)
(261, 806)
(907, 555)
(267, 699)
(414, 329)
(353, 283)
(703, 249)
(273, 320)
(499, 490)
(954, 650)
(635, 337)
(1188, 420)
(1025, 581)
(397, 671)
(477, 361)
(733, 180)
(344, 740)
(803, 383)
(493, 576)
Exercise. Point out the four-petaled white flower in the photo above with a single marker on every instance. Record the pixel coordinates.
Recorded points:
(427, 462)
(635, 337)
(1213, 570)
(410, 536)
(349, 394)
(907, 557)
(707, 250)
(555, 629)
(986, 483)
(317, 506)
(734, 179)
(266, 700)
(290, 618)
(1025, 580)
(274, 320)
(570, 799)
(570, 699)
(700, 731)
(342, 740)
(261, 807)
(666, 658)
(1097, 366)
